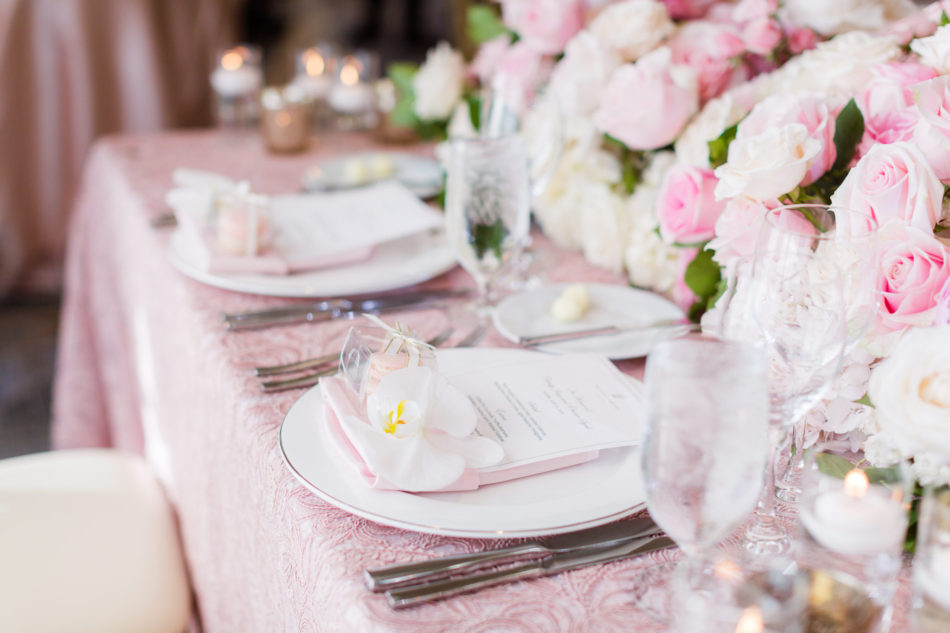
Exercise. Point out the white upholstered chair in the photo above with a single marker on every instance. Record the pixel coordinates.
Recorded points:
(88, 543)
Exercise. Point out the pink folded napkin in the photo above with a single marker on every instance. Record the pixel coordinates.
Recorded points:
(342, 408)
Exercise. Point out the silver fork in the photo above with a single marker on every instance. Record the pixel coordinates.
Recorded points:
(311, 379)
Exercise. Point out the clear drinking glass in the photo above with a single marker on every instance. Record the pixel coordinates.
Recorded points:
(848, 240)
(705, 448)
(487, 207)
(931, 605)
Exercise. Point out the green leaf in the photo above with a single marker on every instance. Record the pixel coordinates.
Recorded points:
(833, 465)
(403, 114)
(719, 146)
(483, 23)
(889, 475)
(703, 275)
(849, 128)
(944, 18)
(486, 237)
(474, 109)
(865, 399)
(401, 74)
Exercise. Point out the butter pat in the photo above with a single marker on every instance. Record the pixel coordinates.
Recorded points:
(572, 304)
(355, 171)
(382, 167)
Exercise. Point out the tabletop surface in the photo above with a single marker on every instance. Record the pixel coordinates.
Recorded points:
(145, 364)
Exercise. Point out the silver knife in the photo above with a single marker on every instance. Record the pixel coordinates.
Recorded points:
(605, 330)
(337, 308)
(385, 578)
(554, 564)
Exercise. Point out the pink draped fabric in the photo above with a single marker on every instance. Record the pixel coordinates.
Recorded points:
(145, 364)
(75, 69)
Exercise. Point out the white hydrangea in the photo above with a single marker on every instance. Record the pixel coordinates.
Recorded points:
(603, 227)
(651, 263)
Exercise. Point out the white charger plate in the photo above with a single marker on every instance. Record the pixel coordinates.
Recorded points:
(597, 492)
(394, 264)
(422, 176)
(529, 314)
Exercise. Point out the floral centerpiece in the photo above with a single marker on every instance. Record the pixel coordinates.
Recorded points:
(683, 120)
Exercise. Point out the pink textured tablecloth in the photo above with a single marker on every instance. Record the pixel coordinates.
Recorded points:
(145, 364)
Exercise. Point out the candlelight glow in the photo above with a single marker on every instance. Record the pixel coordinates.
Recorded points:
(751, 621)
(856, 483)
(726, 569)
(314, 63)
(282, 119)
(349, 75)
(232, 60)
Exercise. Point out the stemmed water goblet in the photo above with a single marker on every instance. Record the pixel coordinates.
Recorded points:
(487, 208)
(704, 450)
(846, 239)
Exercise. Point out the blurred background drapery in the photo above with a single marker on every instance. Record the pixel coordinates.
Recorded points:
(72, 70)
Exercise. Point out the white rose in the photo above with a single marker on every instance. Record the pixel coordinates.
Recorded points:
(632, 28)
(603, 227)
(692, 146)
(838, 68)
(438, 83)
(767, 165)
(880, 450)
(911, 392)
(932, 469)
(934, 51)
(650, 262)
(579, 78)
(460, 125)
(829, 18)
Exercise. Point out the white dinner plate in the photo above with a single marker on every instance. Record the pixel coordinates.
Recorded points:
(529, 314)
(394, 264)
(422, 176)
(597, 492)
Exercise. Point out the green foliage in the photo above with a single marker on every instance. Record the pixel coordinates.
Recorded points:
(485, 237)
(833, 465)
(944, 18)
(403, 114)
(865, 399)
(719, 147)
(632, 163)
(474, 109)
(483, 23)
(704, 278)
(849, 128)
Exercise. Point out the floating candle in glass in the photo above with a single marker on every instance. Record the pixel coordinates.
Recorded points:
(353, 97)
(236, 81)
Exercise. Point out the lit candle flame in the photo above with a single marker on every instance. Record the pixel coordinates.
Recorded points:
(232, 60)
(349, 75)
(314, 62)
(856, 483)
(751, 621)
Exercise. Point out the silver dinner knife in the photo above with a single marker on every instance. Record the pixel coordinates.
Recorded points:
(420, 572)
(337, 308)
(554, 564)
(604, 330)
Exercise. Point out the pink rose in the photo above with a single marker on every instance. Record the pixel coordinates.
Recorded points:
(913, 26)
(886, 104)
(711, 50)
(544, 25)
(762, 35)
(893, 182)
(687, 9)
(915, 267)
(811, 111)
(646, 104)
(749, 10)
(516, 73)
(801, 39)
(686, 205)
(580, 77)
(489, 57)
(942, 316)
(737, 229)
(932, 134)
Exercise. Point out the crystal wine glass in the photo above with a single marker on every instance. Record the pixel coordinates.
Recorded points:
(847, 239)
(705, 446)
(487, 207)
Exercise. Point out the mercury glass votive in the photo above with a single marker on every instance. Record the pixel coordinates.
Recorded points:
(285, 120)
(853, 526)
(931, 602)
(353, 98)
(236, 81)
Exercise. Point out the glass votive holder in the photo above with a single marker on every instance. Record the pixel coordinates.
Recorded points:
(853, 524)
(236, 81)
(372, 351)
(285, 121)
(353, 97)
(315, 72)
(931, 602)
